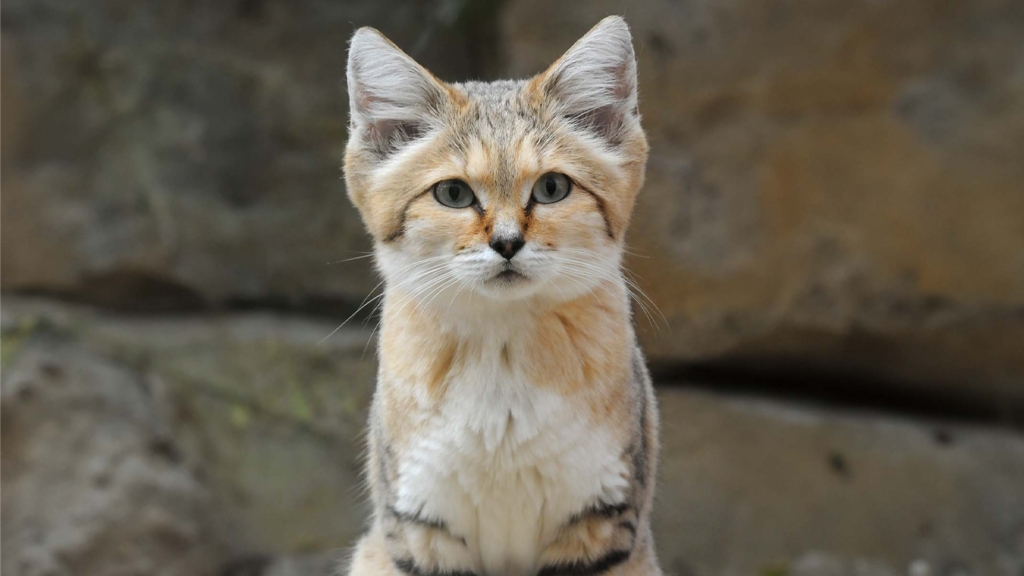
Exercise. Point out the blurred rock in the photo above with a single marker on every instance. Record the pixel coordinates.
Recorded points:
(819, 564)
(270, 419)
(833, 185)
(171, 154)
(324, 565)
(93, 480)
(329, 564)
(758, 487)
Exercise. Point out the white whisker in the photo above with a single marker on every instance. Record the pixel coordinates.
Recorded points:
(368, 255)
(367, 300)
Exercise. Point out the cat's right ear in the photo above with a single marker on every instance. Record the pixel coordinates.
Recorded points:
(594, 82)
(392, 99)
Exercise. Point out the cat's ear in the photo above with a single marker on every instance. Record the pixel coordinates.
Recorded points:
(392, 99)
(594, 82)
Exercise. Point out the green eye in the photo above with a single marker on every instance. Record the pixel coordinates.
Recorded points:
(454, 193)
(551, 188)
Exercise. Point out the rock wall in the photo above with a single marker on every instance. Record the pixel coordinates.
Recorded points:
(836, 184)
(832, 185)
(231, 445)
(834, 206)
(178, 153)
(93, 482)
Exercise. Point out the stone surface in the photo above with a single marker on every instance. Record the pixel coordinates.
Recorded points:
(93, 481)
(265, 423)
(835, 185)
(832, 184)
(834, 189)
(172, 154)
(757, 487)
(328, 564)
(268, 417)
(324, 565)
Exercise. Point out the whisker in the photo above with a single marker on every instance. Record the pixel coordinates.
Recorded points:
(368, 340)
(454, 296)
(441, 290)
(367, 300)
(636, 293)
(368, 255)
(335, 331)
(602, 279)
(636, 286)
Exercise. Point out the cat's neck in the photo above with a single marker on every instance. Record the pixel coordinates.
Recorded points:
(480, 316)
(558, 344)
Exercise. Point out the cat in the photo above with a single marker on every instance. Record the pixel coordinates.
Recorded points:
(513, 430)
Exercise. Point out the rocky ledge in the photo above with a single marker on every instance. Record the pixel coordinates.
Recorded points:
(230, 445)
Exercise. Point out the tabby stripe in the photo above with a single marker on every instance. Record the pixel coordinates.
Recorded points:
(400, 230)
(601, 511)
(414, 518)
(602, 208)
(576, 568)
(627, 525)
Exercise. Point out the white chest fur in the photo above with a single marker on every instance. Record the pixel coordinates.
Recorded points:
(505, 464)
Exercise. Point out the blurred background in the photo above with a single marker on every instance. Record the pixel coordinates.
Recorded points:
(832, 235)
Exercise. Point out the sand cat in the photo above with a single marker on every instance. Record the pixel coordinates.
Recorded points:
(514, 428)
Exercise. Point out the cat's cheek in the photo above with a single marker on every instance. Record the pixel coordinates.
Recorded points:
(580, 228)
(435, 230)
(470, 236)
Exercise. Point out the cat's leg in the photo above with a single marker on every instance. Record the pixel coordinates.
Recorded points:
(605, 540)
(642, 561)
(404, 544)
(371, 557)
(614, 538)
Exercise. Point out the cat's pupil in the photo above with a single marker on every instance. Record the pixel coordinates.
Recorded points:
(551, 186)
(454, 192)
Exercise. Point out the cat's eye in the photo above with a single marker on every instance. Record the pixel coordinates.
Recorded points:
(551, 188)
(454, 193)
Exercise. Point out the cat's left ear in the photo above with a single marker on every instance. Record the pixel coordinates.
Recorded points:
(594, 82)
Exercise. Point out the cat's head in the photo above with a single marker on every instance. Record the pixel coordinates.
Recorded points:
(506, 190)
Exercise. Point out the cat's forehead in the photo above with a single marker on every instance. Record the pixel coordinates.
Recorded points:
(497, 111)
(497, 134)
(494, 93)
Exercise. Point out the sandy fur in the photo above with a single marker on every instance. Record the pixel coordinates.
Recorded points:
(513, 430)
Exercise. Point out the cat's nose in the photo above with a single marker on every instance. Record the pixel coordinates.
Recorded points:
(507, 246)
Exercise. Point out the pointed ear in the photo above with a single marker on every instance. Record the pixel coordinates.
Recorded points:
(392, 99)
(594, 82)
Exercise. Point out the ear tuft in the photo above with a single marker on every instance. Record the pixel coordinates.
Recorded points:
(594, 82)
(392, 99)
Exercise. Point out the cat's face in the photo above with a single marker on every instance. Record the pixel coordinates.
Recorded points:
(497, 191)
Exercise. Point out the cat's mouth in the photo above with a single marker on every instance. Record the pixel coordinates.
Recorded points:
(508, 276)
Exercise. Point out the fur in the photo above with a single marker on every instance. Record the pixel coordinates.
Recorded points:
(514, 429)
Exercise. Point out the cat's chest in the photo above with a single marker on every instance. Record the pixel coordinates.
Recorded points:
(505, 463)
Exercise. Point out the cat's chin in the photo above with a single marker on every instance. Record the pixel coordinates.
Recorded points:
(509, 277)
(508, 285)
